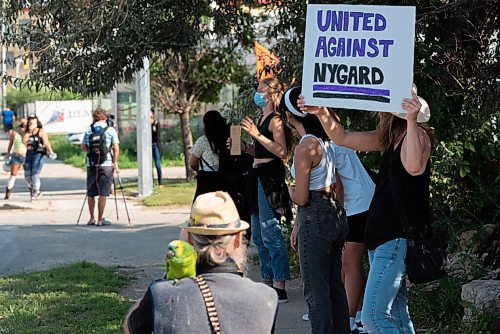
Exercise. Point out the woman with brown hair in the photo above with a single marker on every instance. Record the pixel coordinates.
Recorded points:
(272, 200)
(38, 145)
(404, 180)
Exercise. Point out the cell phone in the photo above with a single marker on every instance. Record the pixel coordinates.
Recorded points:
(235, 133)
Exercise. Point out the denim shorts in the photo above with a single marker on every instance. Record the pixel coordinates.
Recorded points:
(16, 159)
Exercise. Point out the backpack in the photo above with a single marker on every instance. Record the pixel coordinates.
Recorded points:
(98, 151)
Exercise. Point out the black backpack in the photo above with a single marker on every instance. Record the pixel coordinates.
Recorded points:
(98, 151)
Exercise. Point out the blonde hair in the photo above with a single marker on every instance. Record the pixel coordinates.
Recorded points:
(212, 249)
(275, 91)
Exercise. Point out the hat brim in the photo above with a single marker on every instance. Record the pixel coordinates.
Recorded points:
(424, 114)
(203, 230)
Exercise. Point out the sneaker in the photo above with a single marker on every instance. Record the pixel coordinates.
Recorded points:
(104, 222)
(36, 195)
(7, 192)
(360, 329)
(305, 317)
(282, 295)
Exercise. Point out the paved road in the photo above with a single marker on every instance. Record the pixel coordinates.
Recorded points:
(44, 234)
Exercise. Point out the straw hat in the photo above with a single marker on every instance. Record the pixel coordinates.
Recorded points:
(214, 214)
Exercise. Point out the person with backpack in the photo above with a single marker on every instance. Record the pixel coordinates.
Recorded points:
(102, 146)
(37, 145)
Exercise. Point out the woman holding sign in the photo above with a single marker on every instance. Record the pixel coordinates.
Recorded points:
(403, 182)
(271, 201)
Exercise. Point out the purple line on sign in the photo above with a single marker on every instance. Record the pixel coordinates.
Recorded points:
(362, 90)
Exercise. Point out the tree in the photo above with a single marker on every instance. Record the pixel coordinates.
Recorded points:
(88, 46)
(181, 80)
(457, 62)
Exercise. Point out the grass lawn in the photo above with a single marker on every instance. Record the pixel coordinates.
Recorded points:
(174, 192)
(78, 298)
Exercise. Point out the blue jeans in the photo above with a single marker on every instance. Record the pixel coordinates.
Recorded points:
(157, 159)
(322, 233)
(385, 305)
(33, 164)
(268, 237)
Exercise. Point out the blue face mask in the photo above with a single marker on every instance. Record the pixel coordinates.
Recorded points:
(259, 100)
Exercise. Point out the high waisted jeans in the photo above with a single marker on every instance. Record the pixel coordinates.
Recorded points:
(385, 305)
(268, 237)
(322, 233)
(33, 165)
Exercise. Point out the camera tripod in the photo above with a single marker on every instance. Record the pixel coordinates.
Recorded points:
(116, 201)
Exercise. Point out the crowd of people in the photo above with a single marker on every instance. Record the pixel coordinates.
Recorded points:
(342, 213)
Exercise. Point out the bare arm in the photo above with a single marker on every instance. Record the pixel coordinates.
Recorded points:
(116, 153)
(305, 158)
(276, 147)
(12, 135)
(194, 162)
(416, 148)
(46, 141)
(361, 141)
(84, 147)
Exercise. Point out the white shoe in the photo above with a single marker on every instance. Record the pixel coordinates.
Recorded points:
(305, 317)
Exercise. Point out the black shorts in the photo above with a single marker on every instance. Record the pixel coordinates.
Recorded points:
(99, 180)
(357, 227)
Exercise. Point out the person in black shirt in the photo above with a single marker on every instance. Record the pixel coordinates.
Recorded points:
(404, 180)
(155, 133)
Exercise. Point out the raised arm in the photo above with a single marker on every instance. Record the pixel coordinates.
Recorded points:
(360, 141)
(276, 147)
(416, 148)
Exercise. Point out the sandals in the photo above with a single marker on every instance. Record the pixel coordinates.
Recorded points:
(91, 222)
(104, 222)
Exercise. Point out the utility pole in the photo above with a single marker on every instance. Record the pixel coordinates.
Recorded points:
(144, 145)
(4, 64)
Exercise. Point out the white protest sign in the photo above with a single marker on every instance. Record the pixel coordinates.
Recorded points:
(358, 57)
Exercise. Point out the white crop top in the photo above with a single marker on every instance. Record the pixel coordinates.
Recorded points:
(323, 175)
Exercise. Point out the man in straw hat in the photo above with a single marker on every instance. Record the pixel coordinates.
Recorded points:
(219, 299)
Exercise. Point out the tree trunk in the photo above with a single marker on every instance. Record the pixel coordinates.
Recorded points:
(187, 140)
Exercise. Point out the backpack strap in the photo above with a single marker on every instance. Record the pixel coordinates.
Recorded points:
(208, 299)
(203, 161)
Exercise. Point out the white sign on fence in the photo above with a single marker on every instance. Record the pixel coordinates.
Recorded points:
(358, 57)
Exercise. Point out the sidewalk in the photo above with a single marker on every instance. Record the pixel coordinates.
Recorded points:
(43, 234)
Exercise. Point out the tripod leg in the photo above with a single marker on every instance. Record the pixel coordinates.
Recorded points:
(123, 195)
(116, 201)
(83, 205)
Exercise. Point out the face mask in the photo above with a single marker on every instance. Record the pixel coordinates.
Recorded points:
(259, 100)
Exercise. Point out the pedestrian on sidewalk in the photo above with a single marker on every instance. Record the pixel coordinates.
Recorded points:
(403, 182)
(8, 119)
(155, 133)
(321, 229)
(271, 200)
(102, 146)
(37, 145)
(16, 153)
(219, 299)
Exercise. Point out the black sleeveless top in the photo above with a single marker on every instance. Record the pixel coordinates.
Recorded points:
(35, 143)
(260, 151)
(384, 222)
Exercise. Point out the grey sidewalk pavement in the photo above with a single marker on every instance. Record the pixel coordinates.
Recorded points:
(43, 234)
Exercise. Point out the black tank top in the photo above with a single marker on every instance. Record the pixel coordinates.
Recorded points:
(35, 143)
(384, 223)
(260, 151)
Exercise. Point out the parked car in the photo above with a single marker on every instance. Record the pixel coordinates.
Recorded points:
(76, 137)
